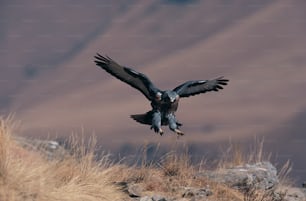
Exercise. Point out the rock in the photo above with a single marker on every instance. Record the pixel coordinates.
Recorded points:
(153, 198)
(158, 198)
(293, 194)
(146, 198)
(260, 175)
(132, 189)
(196, 193)
(49, 148)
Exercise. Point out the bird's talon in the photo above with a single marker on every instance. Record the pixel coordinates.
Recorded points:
(178, 132)
(157, 130)
(161, 132)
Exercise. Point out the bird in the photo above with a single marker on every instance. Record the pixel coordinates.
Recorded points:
(164, 103)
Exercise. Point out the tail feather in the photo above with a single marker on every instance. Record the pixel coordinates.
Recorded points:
(146, 118)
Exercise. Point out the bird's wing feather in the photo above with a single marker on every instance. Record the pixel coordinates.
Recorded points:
(191, 88)
(127, 75)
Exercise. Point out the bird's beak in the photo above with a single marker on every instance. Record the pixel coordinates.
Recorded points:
(173, 99)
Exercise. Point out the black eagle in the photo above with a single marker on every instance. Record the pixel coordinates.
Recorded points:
(164, 103)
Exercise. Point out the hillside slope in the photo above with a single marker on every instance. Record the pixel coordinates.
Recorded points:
(44, 170)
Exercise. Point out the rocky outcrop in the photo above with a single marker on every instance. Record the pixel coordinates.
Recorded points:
(49, 148)
(260, 175)
(249, 179)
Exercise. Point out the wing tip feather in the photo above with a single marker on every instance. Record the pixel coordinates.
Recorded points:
(102, 60)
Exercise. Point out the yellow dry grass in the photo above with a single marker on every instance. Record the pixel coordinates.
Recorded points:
(28, 175)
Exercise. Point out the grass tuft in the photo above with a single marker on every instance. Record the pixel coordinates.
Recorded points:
(27, 175)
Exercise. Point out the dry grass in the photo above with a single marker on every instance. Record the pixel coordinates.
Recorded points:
(28, 175)
(174, 172)
(236, 154)
(172, 175)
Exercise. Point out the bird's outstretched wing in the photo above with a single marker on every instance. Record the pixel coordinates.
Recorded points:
(127, 75)
(191, 88)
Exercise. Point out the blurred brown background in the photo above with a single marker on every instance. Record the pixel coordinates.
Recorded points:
(50, 82)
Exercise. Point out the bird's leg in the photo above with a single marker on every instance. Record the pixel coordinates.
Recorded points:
(156, 122)
(173, 124)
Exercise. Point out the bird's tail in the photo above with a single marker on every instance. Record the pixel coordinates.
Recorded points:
(146, 118)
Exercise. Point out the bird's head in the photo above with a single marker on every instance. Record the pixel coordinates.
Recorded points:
(158, 96)
(170, 96)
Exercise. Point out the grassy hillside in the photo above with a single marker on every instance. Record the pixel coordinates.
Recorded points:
(27, 174)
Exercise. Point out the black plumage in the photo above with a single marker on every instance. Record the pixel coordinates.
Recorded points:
(164, 103)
